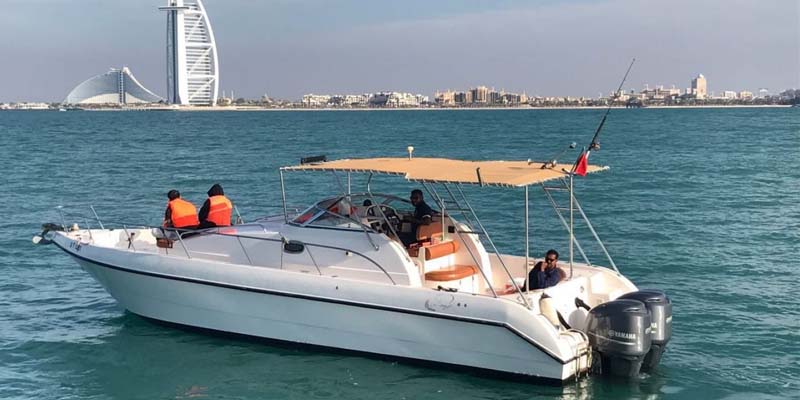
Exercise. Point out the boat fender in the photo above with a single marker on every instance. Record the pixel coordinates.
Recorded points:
(548, 310)
(39, 240)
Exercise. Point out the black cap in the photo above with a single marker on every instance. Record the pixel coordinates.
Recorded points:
(216, 190)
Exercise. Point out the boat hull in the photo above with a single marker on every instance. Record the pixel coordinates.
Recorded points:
(394, 331)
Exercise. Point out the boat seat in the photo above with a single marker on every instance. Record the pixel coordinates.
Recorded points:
(452, 273)
(434, 251)
(428, 232)
(442, 249)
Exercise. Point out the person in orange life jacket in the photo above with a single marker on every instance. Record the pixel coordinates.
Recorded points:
(217, 209)
(180, 213)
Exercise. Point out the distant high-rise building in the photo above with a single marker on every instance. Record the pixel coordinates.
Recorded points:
(700, 87)
(480, 94)
(447, 98)
(192, 64)
(494, 96)
(117, 86)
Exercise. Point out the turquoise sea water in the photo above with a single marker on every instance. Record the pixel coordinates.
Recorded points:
(704, 203)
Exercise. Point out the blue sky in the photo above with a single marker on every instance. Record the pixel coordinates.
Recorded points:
(287, 48)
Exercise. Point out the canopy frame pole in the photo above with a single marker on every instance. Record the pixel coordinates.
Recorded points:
(494, 248)
(571, 223)
(527, 242)
(455, 201)
(594, 233)
(283, 198)
(349, 184)
(378, 207)
(440, 201)
(564, 221)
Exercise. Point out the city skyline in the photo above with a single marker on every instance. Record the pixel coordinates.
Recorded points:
(294, 47)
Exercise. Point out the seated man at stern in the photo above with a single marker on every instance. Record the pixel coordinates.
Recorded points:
(545, 273)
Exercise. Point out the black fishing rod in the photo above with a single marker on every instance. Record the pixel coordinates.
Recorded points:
(595, 145)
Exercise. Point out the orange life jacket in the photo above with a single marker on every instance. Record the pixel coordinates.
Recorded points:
(183, 213)
(219, 210)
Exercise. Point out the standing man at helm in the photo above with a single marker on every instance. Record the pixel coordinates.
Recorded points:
(217, 209)
(180, 213)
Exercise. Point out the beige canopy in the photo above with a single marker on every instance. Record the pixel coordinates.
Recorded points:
(442, 170)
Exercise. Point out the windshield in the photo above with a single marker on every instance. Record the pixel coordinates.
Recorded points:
(350, 212)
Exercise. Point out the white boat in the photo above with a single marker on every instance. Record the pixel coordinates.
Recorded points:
(336, 276)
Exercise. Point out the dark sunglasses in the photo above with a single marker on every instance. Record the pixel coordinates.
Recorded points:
(551, 259)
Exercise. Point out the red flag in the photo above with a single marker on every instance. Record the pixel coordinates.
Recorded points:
(582, 165)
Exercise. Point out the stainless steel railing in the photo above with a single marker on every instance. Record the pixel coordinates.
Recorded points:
(181, 235)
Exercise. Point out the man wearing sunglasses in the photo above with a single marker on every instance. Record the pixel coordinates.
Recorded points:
(545, 273)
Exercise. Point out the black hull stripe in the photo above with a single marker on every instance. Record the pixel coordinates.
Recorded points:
(325, 300)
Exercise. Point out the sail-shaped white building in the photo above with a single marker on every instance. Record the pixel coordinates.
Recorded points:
(192, 63)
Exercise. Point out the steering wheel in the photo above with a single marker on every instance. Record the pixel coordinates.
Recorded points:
(375, 220)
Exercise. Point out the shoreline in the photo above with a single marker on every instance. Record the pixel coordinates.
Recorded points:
(300, 109)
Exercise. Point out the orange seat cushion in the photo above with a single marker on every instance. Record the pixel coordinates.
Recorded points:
(427, 232)
(453, 273)
(440, 249)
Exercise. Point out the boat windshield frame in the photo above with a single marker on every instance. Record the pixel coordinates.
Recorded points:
(317, 210)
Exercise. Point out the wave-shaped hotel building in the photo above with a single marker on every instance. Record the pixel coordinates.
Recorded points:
(117, 86)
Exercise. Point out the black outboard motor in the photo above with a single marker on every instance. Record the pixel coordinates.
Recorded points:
(660, 309)
(619, 333)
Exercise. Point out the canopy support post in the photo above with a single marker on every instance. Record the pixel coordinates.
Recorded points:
(571, 223)
(283, 199)
(349, 184)
(527, 241)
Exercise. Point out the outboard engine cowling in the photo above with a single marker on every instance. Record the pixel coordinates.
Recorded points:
(660, 309)
(619, 333)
